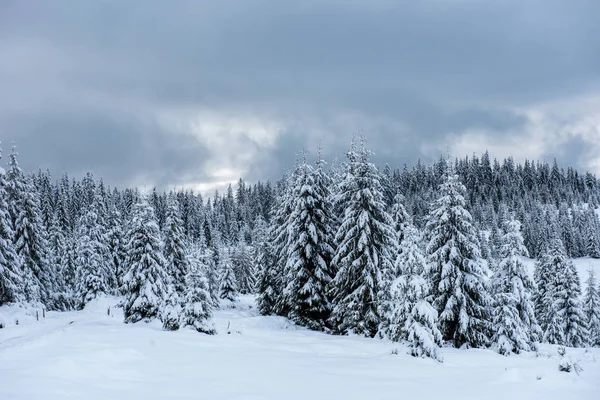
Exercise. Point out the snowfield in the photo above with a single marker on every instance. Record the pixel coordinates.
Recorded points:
(90, 355)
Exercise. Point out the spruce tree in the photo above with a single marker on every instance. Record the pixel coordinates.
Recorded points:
(171, 313)
(514, 322)
(244, 268)
(144, 282)
(116, 244)
(456, 271)
(228, 287)
(591, 308)
(29, 234)
(557, 300)
(197, 309)
(11, 283)
(175, 254)
(413, 318)
(91, 278)
(365, 241)
(310, 252)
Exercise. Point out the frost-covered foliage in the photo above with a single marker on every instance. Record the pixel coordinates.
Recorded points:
(197, 309)
(171, 313)
(11, 284)
(267, 279)
(90, 277)
(310, 250)
(243, 267)
(365, 243)
(228, 286)
(30, 239)
(515, 325)
(558, 304)
(144, 282)
(591, 308)
(177, 263)
(413, 317)
(456, 271)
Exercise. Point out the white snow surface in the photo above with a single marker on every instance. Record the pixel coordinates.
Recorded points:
(582, 265)
(90, 355)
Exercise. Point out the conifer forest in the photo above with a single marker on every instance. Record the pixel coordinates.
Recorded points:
(427, 255)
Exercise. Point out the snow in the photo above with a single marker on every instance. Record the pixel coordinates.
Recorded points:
(88, 354)
(582, 265)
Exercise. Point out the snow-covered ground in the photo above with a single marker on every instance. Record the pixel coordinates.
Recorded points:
(90, 355)
(582, 265)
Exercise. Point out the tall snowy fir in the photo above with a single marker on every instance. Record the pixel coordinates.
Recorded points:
(144, 283)
(90, 280)
(174, 250)
(310, 251)
(29, 234)
(413, 318)
(11, 283)
(228, 286)
(197, 308)
(515, 325)
(365, 241)
(557, 302)
(456, 271)
(591, 309)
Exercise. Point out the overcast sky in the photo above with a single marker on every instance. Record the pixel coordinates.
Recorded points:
(196, 93)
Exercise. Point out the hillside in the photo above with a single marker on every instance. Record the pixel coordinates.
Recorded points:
(87, 354)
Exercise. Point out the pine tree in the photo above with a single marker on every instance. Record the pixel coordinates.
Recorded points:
(11, 284)
(243, 268)
(116, 244)
(365, 241)
(198, 308)
(515, 325)
(310, 252)
(557, 300)
(144, 282)
(177, 263)
(569, 306)
(591, 308)
(29, 234)
(228, 287)
(89, 279)
(171, 313)
(456, 271)
(413, 317)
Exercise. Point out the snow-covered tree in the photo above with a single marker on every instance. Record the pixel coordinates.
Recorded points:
(591, 308)
(310, 251)
(243, 268)
(174, 250)
(365, 242)
(144, 282)
(171, 314)
(198, 306)
(228, 287)
(456, 271)
(116, 244)
(413, 318)
(92, 258)
(11, 284)
(557, 301)
(514, 323)
(29, 234)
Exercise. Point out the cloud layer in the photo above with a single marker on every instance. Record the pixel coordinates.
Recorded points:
(193, 94)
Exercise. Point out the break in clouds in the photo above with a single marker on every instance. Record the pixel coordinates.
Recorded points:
(196, 94)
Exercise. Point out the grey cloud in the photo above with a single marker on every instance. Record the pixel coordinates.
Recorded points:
(413, 72)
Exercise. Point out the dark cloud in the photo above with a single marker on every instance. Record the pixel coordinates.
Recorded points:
(85, 83)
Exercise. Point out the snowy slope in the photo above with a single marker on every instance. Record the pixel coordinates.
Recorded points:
(582, 265)
(89, 355)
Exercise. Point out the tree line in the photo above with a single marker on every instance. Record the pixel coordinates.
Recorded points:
(429, 256)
